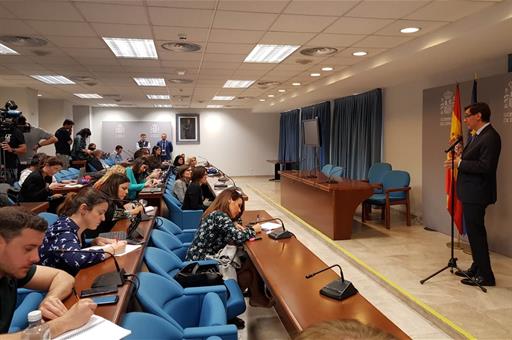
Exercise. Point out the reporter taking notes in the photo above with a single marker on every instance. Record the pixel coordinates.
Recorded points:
(21, 233)
(81, 211)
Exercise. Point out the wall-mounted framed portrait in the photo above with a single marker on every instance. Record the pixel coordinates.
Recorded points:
(187, 128)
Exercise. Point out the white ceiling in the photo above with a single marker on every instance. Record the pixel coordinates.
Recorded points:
(227, 31)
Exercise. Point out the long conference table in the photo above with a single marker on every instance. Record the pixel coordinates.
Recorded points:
(283, 265)
(327, 207)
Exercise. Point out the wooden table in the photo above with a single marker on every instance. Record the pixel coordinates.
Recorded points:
(154, 198)
(277, 167)
(35, 207)
(130, 262)
(212, 180)
(327, 207)
(283, 265)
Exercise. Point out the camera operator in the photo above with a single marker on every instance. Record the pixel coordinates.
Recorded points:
(34, 139)
(12, 145)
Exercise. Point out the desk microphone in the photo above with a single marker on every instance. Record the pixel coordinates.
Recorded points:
(454, 144)
(339, 289)
(276, 235)
(223, 178)
(116, 278)
(206, 163)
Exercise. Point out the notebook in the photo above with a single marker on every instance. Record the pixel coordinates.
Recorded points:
(96, 328)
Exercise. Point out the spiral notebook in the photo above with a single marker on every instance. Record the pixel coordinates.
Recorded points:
(96, 328)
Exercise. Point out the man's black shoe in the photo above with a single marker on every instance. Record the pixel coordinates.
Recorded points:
(480, 280)
(465, 273)
(239, 323)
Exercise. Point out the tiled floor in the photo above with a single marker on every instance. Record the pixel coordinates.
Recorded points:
(386, 267)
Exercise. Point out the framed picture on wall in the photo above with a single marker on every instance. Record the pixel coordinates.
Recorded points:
(187, 128)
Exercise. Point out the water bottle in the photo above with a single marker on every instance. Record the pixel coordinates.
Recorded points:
(37, 329)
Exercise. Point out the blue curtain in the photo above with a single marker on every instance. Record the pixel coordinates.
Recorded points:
(357, 132)
(289, 136)
(321, 111)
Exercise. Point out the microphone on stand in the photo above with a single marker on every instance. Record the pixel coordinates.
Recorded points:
(454, 144)
(276, 235)
(116, 278)
(222, 179)
(339, 289)
(206, 163)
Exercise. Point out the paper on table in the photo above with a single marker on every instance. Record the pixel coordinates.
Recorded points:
(129, 248)
(270, 226)
(96, 328)
(75, 185)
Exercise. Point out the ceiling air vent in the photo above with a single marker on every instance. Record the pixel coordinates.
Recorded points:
(244, 98)
(87, 80)
(22, 41)
(319, 51)
(267, 84)
(180, 81)
(179, 46)
(41, 53)
(303, 61)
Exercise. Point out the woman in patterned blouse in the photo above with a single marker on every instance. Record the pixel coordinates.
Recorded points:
(219, 227)
(80, 211)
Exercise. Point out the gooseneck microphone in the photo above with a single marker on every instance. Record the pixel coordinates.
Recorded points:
(454, 144)
(339, 289)
(276, 235)
(116, 278)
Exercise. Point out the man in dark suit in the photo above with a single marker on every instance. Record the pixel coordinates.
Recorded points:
(476, 188)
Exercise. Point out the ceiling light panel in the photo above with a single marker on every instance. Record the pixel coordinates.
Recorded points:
(158, 96)
(150, 81)
(163, 105)
(6, 50)
(53, 79)
(270, 53)
(88, 95)
(214, 106)
(107, 105)
(238, 84)
(132, 48)
(223, 98)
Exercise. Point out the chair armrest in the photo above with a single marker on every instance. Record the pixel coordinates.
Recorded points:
(203, 262)
(364, 180)
(219, 289)
(226, 332)
(398, 189)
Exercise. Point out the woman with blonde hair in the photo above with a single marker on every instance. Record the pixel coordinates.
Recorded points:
(115, 169)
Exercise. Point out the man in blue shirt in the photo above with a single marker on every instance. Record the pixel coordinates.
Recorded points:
(166, 147)
(116, 157)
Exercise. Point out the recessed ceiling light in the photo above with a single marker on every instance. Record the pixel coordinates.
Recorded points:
(132, 48)
(270, 53)
(327, 68)
(181, 72)
(223, 98)
(214, 106)
(162, 105)
(262, 100)
(271, 96)
(238, 84)
(315, 74)
(281, 90)
(410, 30)
(39, 95)
(360, 53)
(88, 95)
(49, 79)
(150, 81)
(158, 96)
(296, 84)
(6, 50)
(107, 105)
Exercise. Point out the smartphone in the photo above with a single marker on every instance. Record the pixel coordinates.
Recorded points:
(105, 300)
(98, 291)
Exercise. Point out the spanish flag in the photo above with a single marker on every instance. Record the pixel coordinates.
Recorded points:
(455, 132)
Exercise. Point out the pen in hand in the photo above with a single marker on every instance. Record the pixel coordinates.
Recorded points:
(75, 294)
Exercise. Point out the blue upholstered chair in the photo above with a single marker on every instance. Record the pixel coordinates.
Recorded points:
(395, 187)
(376, 173)
(49, 217)
(27, 301)
(326, 169)
(196, 312)
(336, 171)
(168, 264)
(169, 243)
(186, 219)
(185, 235)
(160, 328)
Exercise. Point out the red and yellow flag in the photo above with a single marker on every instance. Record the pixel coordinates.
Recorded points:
(455, 132)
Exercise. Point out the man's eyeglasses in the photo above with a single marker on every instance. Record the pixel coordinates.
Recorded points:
(469, 115)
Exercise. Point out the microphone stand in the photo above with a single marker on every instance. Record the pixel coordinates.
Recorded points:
(276, 235)
(452, 262)
(116, 278)
(339, 289)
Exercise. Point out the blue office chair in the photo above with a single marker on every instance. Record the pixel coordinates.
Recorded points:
(183, 218)
(196, 312)
(337, 171)
(49, 217)
(395, 187)
(326, 169)
(169, 243)
(185, 235)
(376, 173)
(27, 300)
(168, 264)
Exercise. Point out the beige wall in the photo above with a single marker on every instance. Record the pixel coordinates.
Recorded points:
(25, 98)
